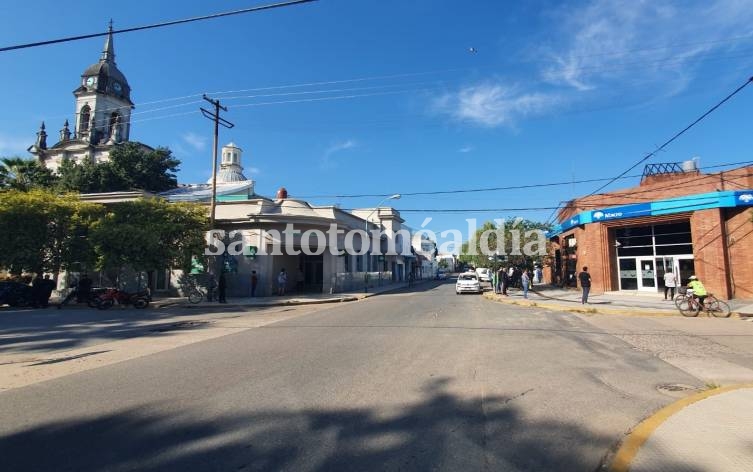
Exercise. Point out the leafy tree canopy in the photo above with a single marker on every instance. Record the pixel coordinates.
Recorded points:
(130, 167)
(24, 174)
(149, 234)
(43, 231)
(508, 239)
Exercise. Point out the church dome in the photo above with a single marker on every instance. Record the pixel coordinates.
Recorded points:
(230, 175)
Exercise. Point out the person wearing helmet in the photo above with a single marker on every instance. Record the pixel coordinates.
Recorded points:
(699, 291)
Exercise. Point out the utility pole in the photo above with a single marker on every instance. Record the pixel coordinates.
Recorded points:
(215, 116)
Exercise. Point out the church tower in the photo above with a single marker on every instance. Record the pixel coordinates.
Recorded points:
(103, 116)
(103, 101)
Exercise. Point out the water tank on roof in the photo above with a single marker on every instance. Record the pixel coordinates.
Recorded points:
(691, 165)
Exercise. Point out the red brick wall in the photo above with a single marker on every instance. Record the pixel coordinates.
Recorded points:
(709, 252)
(739, 228)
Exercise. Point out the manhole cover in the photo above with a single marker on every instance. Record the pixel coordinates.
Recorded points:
(676, 390)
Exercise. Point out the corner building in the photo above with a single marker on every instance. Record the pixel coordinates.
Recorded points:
(677, 219)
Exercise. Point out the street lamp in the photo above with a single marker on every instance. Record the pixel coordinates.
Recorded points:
(366, 266)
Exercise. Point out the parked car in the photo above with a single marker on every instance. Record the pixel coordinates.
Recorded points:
(468, 283)
(441, 275)
(15, 294)
(484, 274)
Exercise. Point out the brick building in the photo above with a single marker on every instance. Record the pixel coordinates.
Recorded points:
(677, 219)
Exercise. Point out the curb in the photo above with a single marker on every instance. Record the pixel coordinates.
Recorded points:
(592, 310)
(260, 305)
(632, 442)
(348, 298)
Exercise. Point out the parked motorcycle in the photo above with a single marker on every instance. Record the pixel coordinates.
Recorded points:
(113, 295)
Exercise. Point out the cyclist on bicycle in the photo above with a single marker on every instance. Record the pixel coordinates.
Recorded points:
(699, 291)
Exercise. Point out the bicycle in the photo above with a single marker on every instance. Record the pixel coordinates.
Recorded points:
(192, 291)
(691, 307)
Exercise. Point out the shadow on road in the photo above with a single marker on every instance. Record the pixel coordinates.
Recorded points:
(442, 431)
(46, 330)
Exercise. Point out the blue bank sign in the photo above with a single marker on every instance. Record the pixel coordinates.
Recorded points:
(702, 201)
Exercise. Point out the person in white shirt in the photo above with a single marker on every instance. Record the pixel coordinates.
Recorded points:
(670, 282)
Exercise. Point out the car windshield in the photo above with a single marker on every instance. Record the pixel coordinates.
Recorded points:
(467, 277)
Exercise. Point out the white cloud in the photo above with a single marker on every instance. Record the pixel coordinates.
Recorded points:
(335, 148)
(196, 141)
(644, 42)
(466, 149)
(493, 104)
(12, 146)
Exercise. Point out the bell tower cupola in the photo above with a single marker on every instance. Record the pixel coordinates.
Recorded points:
(103, 100)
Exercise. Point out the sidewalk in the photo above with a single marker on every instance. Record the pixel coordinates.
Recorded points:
(709, 431)
(285, 300)
(611, 303)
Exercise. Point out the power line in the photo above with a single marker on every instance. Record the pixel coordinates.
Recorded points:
(512, 187)
(584, 207)
(676, 135)
(358, 79)
(157, 25)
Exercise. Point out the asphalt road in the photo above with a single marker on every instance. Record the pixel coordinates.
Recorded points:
(407, 381)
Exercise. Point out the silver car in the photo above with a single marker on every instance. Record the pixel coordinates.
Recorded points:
(468, 283)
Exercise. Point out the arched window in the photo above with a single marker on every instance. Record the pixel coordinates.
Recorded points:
(114, 121)
(83, 121)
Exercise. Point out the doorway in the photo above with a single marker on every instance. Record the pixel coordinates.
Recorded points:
(646, 274)
(638, 273)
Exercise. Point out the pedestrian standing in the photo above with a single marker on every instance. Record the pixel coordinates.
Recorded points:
(300, 282)
(505, 282)
(494, 281)
(585, 284)
(47, 287)
(670, 282)
(282, 281)
(254, 282)
(37, 290)
(525, 281)
(221, 288)
(84, 289)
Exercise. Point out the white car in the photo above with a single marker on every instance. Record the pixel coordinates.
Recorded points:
(468, 283)
(484, 274)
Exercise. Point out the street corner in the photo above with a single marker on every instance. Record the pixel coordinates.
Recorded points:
(714, 414)
(610, 308)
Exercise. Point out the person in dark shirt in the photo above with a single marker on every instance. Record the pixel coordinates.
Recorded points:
(221, 288)
(585, 283)
(84, 289)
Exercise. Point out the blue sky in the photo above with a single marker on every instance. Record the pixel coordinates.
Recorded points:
(553, 92)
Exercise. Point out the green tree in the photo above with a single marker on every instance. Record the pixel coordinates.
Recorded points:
(149, 234)
(130, 167)
(492, 239)
(43, 231)
(17, 173)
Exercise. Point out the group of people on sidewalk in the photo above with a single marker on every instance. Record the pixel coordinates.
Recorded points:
(670, 285)
(507, 277)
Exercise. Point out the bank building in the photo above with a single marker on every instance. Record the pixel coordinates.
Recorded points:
(678, 219)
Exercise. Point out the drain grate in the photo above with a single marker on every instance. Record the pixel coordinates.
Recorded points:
(676, 389)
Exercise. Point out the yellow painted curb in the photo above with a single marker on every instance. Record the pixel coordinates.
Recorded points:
(632, 443)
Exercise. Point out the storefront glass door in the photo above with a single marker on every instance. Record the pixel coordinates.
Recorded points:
(646, 273)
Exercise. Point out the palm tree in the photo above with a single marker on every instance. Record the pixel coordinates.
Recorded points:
(23, 174)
